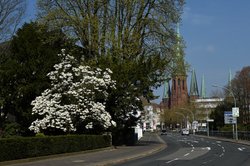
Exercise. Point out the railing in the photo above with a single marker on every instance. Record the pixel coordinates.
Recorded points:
(243, 135)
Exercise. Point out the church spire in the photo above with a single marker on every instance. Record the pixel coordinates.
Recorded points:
(166, 98)
(179, 62)
(203, 88)
(193, 85)
(179, 92)
(166, 91)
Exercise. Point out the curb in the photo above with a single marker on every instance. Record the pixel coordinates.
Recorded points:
(159, 148)
(152, 148)
(118, 161)
(54, 156)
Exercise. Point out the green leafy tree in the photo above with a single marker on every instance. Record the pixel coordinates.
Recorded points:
(135, 39)
(33, 52)
(218, 114)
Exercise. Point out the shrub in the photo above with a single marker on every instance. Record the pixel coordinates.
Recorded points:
(25, 147)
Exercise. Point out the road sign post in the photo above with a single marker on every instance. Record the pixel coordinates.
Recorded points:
(230, 119)
(209, 120)
(235, 112)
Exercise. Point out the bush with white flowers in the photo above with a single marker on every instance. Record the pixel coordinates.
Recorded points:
(77, 92)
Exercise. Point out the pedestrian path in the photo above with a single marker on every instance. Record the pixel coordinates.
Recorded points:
(150, 143)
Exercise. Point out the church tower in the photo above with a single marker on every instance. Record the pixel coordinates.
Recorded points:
(179, 92)
(166, 101)
(203, 88)
(193, 94)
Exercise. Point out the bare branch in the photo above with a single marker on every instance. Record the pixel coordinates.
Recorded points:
(11, 12)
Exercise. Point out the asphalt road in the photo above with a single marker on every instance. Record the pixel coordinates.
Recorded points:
(196, 151)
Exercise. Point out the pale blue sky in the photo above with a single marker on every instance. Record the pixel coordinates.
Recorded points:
(217, 38)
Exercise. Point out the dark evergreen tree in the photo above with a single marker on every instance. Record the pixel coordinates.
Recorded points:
(218, 115)
(33, 53)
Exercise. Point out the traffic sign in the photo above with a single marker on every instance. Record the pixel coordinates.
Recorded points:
(235, 112)
(228, 118)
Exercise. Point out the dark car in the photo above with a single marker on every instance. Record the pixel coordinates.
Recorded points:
(163, 132)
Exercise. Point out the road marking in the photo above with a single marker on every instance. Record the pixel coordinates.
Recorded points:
(222, 154)
(241, 149)
(206, 148)
(78, 161)
(206, 162)
(186, 154)
(223, 149)
(172, 160)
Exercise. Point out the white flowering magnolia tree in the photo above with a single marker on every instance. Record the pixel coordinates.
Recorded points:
(77, 95)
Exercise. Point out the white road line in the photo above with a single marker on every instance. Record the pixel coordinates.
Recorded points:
(172, 160)
(205, 162)
(186, 154)
(222, 154)
(241, 149)
(208, 148)
(78, 161)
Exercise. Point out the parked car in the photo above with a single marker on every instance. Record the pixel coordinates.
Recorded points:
(163, 132)
(185, 132)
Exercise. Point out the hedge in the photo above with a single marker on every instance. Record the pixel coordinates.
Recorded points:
(26, 147)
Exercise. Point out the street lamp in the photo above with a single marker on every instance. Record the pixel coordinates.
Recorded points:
(192, 116)
(183, 117)
(231, 92)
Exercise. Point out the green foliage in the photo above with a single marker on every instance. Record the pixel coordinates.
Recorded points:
(135, 39)
(23, 74)
(226, 128)
(25, 147)
(11, 129)
(40, 135)
(218, 115)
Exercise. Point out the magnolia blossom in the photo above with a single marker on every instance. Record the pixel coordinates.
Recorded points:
(74, 91)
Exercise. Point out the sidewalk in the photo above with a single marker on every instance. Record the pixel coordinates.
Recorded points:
(150, 143)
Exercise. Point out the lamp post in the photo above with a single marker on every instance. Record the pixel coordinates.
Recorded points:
(192, 117)
(183, 118)
(231, 92)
